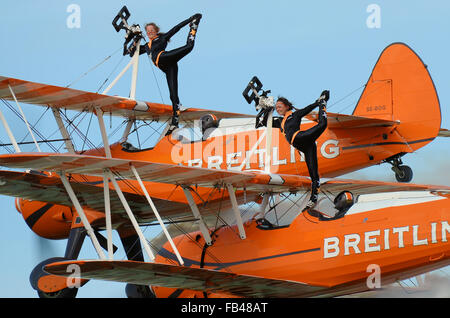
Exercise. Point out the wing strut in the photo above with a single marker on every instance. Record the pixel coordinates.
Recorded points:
(63, 130)
(269, 141)
(131, 217)
(149, 199)
(24, 118)
(236, 211)
(83, 217)
(264, 203)
(197, 215)
(101, 123)
(108, 214)
(9, 132)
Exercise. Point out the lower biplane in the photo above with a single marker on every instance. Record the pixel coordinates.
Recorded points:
(200, 171)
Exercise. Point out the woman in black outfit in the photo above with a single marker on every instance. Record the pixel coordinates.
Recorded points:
(167, 61)
(304, 141)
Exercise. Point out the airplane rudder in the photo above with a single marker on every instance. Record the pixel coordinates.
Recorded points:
(401, 89)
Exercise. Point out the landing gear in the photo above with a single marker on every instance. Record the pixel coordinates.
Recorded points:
(138, 291)
(403, 173)
(52, 286)
(63, 293)
(133, 250)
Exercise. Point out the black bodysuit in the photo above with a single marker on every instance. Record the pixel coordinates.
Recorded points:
(304, 141)
(167, 60)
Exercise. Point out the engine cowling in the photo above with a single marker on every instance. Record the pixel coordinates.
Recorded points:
(50, 221)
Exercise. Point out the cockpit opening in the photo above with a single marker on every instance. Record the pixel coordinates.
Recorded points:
(325, 210)
(283, 209)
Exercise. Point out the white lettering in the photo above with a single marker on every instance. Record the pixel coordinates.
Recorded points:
(368, 240)
(445, 229)
(433, 233)
(214, 162)
(232, 159)
(333, 151)
(195, 163)
(276, 160)
(386, 239)
(331, 243)
(261, 154)
(416, 240)
(351, 240)
(400, 231)
(292, 154)
(371, 243)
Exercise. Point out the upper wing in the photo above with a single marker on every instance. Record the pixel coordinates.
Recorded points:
(182, 175)
(350, 121)
(73, 99)
(199, 279)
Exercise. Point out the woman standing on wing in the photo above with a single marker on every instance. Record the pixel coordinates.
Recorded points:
(167, 61)
(304, 141)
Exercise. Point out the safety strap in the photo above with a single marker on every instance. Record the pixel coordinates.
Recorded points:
(284, 120)
(157, 58)
(282, 126)
(159, 54)
(293, 136)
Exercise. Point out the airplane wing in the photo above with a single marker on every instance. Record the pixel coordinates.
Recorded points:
(193, 176)
(349, 121)
(199, 279)
(73, 99)
(154, 172)
(39, 187)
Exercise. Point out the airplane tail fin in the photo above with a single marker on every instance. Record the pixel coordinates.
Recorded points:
(400, 89)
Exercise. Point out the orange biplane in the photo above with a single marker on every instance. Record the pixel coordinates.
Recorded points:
(202, 171)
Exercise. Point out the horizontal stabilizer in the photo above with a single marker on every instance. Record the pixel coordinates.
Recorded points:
(444, 132)
(350, 121)
(77, 100)
(198, 279)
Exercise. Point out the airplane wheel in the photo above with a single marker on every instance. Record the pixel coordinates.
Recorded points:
(404, 174)
(58, 283)
(63, 293)
(138, 291)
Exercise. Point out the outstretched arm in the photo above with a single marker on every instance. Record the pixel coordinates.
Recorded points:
(143, 48)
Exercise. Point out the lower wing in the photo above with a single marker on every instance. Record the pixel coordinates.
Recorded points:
(198, 279)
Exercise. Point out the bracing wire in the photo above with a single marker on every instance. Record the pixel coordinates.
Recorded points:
(93, 68)
(156, 80)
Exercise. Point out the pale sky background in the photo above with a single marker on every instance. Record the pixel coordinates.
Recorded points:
(296, 48)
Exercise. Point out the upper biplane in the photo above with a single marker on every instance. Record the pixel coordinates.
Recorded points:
(205, 168)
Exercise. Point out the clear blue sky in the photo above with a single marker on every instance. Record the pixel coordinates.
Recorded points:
(297, 49)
